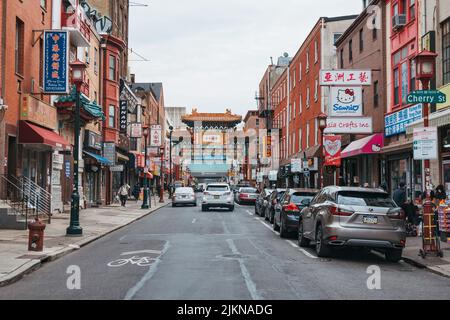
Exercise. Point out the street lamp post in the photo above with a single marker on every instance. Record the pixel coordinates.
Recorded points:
(145, 201)
(74, 229)
(170, 161)
(426, 64)
(322, 126)
(161, 188)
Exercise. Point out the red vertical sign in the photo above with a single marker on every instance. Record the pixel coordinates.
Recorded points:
(332, 150)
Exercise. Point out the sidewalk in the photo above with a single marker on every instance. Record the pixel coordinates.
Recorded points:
(437, 265)
(16, 260)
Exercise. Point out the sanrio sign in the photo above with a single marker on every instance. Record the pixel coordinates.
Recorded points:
(346, 102)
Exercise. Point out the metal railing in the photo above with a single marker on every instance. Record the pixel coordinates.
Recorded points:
(13, 196)
(38, 198)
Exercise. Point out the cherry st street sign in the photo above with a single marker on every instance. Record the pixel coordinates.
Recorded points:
(426, 96)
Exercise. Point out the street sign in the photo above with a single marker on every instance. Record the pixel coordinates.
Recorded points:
(296, 165)
(395, 123)
(426, 96)
(425, 143)
(118, 168)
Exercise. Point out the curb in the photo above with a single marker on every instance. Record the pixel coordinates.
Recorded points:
(34, 265)
(420, 265)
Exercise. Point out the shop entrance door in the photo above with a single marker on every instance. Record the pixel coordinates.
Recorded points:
(12, 155)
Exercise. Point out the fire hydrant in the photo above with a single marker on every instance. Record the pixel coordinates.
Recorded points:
(36, 235)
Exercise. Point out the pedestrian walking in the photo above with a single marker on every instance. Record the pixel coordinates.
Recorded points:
(136, 191)
(400, 194)
(440, 194)
(123, 193)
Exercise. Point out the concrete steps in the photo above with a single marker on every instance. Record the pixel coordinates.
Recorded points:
(11, 221)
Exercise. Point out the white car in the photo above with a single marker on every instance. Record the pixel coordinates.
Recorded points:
(218, 195)
(184, 196)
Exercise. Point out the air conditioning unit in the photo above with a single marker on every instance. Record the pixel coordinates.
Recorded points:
(3, 107)
(398, 21)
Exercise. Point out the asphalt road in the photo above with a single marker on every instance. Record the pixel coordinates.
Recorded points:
(185, 254)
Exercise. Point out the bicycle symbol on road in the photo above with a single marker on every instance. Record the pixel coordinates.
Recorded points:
(135, 259)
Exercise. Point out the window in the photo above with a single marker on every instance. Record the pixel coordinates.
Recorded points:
(96, 60)
(41, 63)
(396, 87)
(395, 9)
(300, 75)
(446, 51)
(316, 131)
(307, 134)
(44, 4)
(257, 122)
(403, 6)
(300, 145)
(316, 90)
(19, 47)
(294, 78)
(405, 82)
(112, 67)
(295, 110)
(307, 97)
(342, 59)
(412, 9)
(375, 94)
(316, 52)
(301, 104)
(336, 37)
(112, 116)
(412, 75)
(350, 51)
(361, 40)
(307, 61)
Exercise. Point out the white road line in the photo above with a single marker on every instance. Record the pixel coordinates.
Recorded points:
(250, 213)
(153, 268)
(306, 253)
(268, 227)
(141, 251)
(244, 271)
(194, 221)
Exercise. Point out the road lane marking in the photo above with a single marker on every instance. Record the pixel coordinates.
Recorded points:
(151, 271)
(194, 221)
(268, 227)
(141, 251)
(250, 213)
(237, 204)
(251, 287)
(306, 253)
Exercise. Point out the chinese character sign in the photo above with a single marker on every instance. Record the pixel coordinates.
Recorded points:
(56, 62)
(155, 136)
(345, 77)
(396, 123)
(332, 150)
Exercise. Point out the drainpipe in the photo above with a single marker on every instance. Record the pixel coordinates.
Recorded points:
(3, 62)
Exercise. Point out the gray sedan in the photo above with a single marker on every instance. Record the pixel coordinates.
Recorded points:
(184, 196)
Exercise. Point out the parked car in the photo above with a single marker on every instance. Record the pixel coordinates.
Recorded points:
(354, 217)
(246, 195)
(287, 210)
(274, 198)
(184, 196)
(217, 195)
(262, 201)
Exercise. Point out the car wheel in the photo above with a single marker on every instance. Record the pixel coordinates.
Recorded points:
(275, 226)
(322, 249)
(265, 215)
(272, 217)
(302, 241)
(283, 231)
(231, 209)
(256, 210)
(173, 205)
(394, 255)
(204, 208)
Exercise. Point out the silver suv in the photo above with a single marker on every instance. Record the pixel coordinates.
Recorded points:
(357, 217)
(218, 195)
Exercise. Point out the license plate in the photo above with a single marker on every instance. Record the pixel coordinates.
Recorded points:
(216, 197)
(184, 197)
(370, 220)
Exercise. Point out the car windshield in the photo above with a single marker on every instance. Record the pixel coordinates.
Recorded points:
(249, 190)
(217, 188)
(183, 190)
(298, 197)
(370, 199)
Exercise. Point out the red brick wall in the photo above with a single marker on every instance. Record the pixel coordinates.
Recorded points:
(279, 101)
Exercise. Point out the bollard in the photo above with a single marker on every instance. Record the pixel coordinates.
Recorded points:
(36, 235)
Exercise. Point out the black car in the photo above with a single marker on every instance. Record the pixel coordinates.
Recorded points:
(269, 212)
(262, 201)
(287, 210)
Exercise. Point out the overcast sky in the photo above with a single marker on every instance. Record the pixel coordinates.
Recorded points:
(211, 54)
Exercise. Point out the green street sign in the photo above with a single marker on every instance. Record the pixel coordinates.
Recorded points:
(426, 96)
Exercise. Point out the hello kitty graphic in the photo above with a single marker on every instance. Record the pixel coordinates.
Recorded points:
(346, 96)
(376, 147)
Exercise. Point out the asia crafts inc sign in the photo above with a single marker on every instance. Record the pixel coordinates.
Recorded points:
(56, 62)
(346, 102)
(351, 125)
(396, 122)
(345, 77)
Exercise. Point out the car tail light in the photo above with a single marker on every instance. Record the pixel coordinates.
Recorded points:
(397, 215)
(336, 211)
(333, 238)
(206, 193)
(242, 195)
(291, 207)
(227, 193)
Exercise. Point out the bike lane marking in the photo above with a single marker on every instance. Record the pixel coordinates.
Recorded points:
(151, 271)
(250, 213)
(142, 251)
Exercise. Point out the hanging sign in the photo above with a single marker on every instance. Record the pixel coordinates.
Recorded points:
(296, 165)
(395, 123)
(332, 146)
(136, 130)
(346, 102)
(155, 136)
(425, 143)
(56, 62)
(345, 77)
(123, 116)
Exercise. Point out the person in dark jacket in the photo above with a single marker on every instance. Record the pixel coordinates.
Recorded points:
(400, 194)
(440, 193)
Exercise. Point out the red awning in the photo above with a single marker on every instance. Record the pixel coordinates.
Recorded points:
(369, 145)
(32, 134)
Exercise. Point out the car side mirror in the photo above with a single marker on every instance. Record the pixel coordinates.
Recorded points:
(306, 202)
